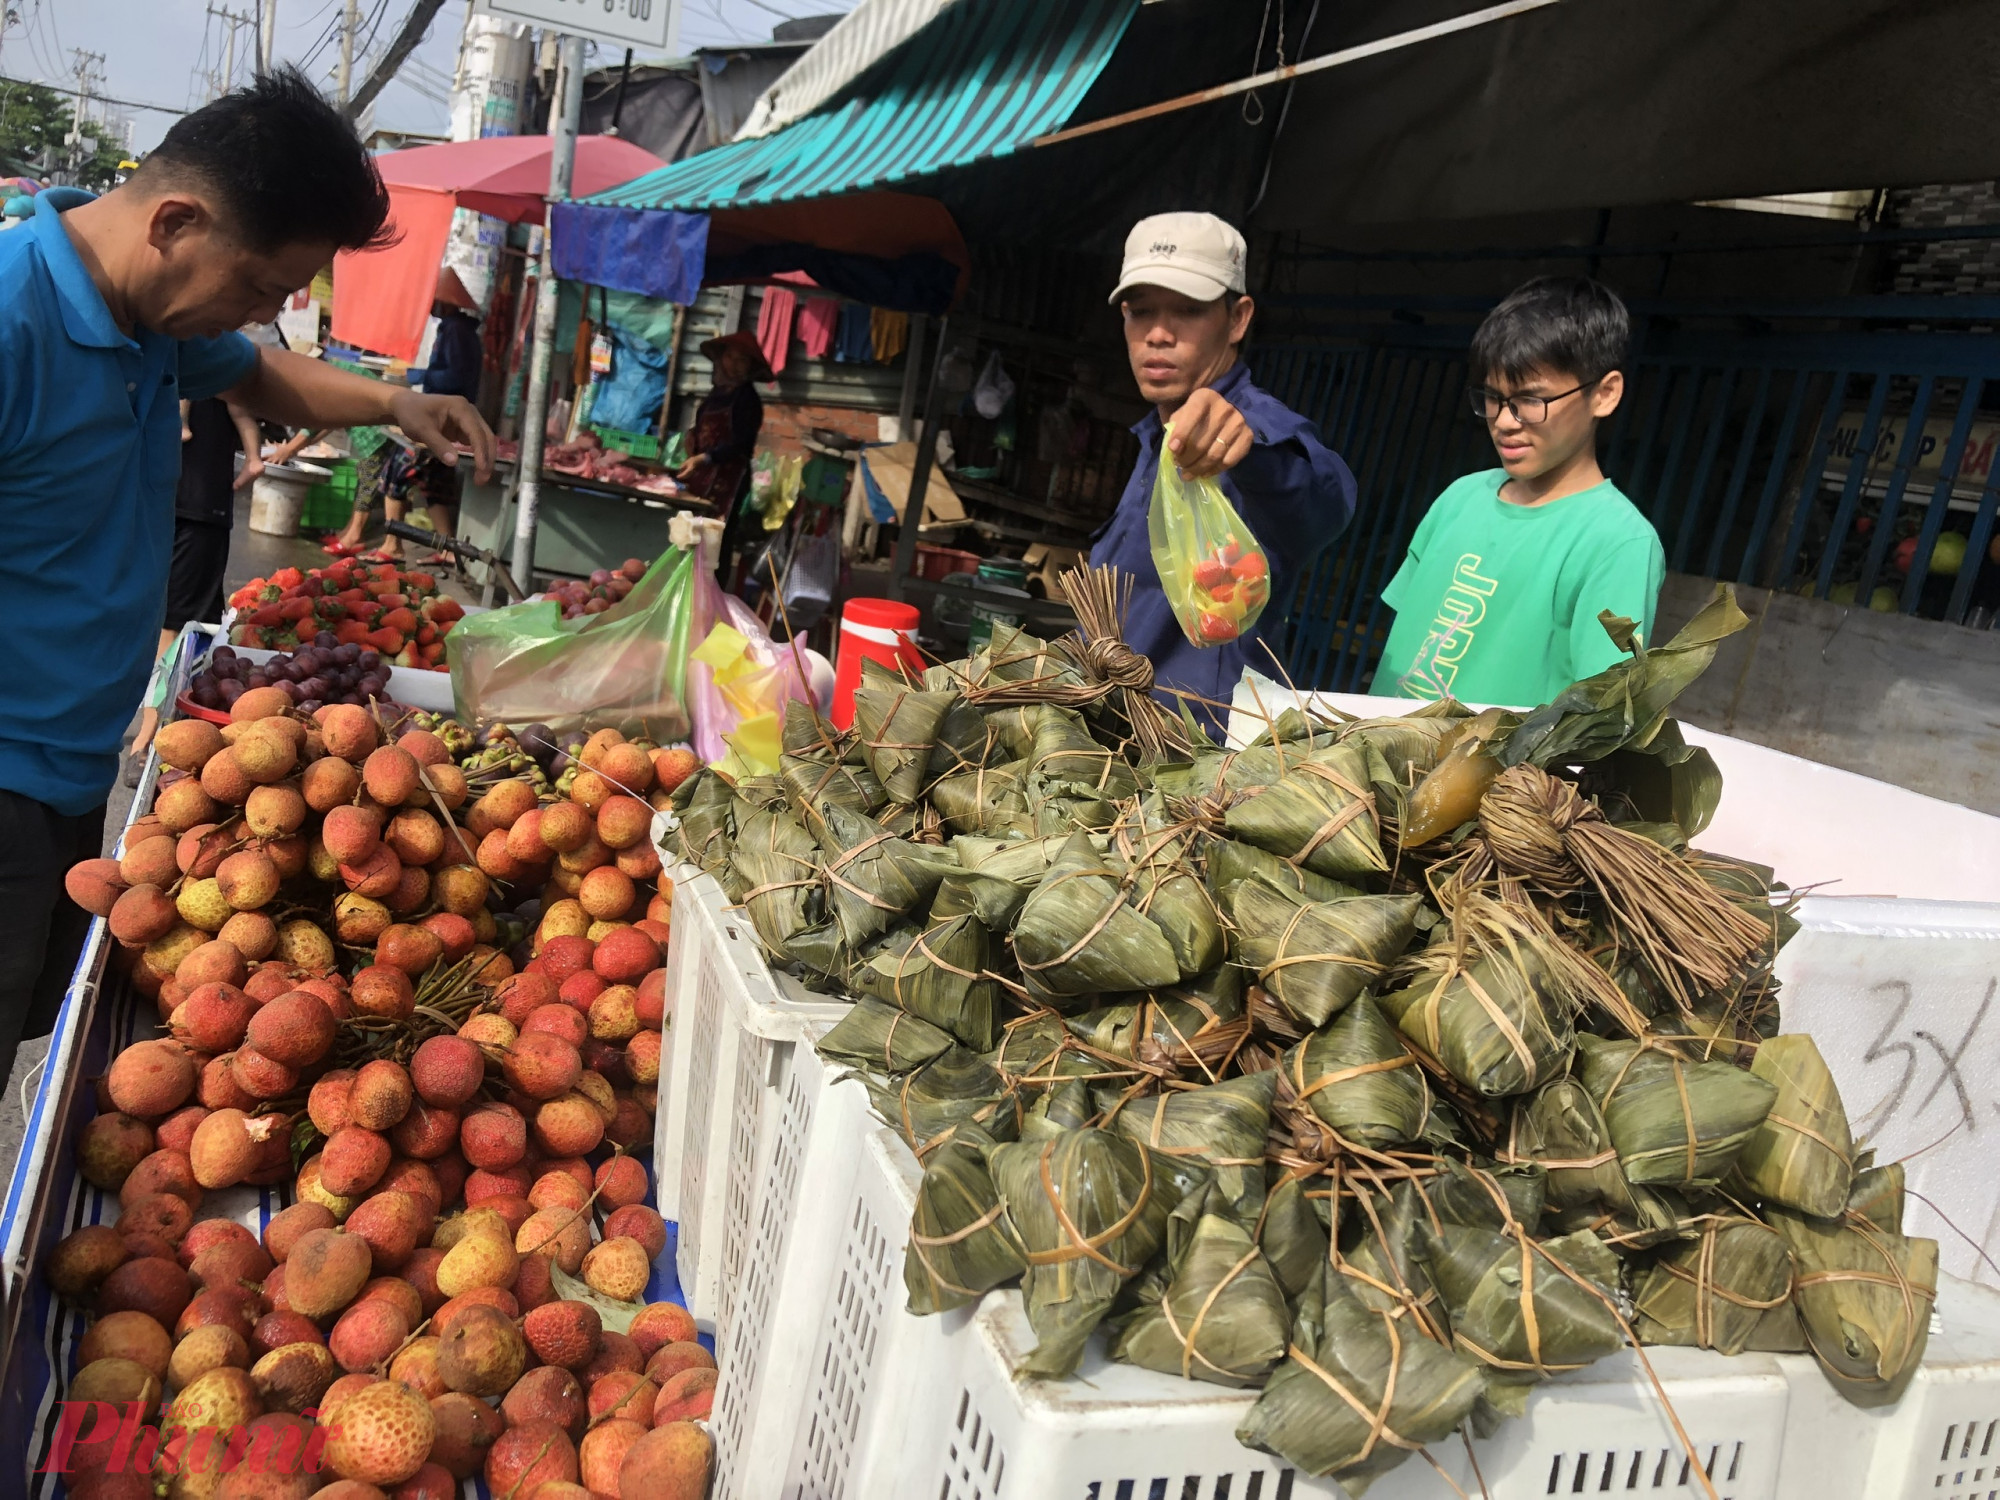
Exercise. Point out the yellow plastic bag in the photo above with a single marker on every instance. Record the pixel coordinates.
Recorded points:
(1215, 573)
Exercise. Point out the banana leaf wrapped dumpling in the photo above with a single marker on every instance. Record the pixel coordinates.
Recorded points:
(1038, 1050)
(962, 1244)
(1358, 1078)
(939, 974)
(815, 781)
(777, 864)
(991, 800)
(704, 805)
(1713, 1292)
(1864, 1298)
(1167, 889)
(993, 878)
(1091, 1208)
(1802, 1155)
(898, 727)
(1359, 1390)
(1320, 813)
(1673, 1122)
(1079, 933)
(1231, 862)
(882, 1039)
(1515, 1311)
(1559, 1129)
(1222, 1124)
(1314, 957)
(1290, 1234)
(873, 878)
(1222, 1318)
(954, 1090)
(1496, 1015)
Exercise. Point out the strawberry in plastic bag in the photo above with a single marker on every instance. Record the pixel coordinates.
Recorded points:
(1214, 572)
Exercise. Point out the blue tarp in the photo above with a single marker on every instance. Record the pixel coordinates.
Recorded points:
(921, 282)
(654, 252)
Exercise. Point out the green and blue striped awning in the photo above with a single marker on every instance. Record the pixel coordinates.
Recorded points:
(979, 81)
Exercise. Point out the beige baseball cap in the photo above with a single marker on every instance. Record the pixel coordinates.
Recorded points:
(1197, 255)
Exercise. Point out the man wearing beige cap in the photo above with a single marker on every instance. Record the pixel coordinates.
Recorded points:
(1181, 295)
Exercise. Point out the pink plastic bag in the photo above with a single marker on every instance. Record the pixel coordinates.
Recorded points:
(783, 676)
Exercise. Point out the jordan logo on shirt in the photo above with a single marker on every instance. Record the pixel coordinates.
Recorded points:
(1459, 612)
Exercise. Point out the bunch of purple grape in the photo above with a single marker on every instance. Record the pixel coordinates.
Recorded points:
(312, 676)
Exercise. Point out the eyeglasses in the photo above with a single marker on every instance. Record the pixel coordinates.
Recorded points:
(1530, 411)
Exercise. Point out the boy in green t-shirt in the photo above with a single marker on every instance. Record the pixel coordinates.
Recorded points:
(1497, 601)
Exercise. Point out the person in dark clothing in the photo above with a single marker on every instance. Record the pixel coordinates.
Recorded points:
(1181, 295)
(213, 432)
(725, 434)
(457, 361)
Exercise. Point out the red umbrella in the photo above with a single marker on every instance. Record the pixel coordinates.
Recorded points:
(508, 175)
(381, 297)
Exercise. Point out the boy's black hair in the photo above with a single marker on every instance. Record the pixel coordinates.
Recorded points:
(1568, 325)
(284, 166)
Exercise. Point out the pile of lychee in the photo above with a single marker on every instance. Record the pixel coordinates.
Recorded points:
(458, 1288)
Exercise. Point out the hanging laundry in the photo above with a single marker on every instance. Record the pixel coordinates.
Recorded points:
(889, 333)
(774, 326)
(817, 321)
(853, 343)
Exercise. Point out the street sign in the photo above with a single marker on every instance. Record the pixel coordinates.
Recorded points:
(648, 25)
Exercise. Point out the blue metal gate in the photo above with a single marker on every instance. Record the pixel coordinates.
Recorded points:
(1857, 467)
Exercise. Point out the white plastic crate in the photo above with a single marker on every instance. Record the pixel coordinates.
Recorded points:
(900, 1405)
(729, 1041)
(780, 1266)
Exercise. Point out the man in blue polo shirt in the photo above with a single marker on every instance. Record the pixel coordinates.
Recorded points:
(112, 311)
(1181, 295)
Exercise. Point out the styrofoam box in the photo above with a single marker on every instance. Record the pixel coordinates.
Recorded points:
(413, 687)
(729, 1039)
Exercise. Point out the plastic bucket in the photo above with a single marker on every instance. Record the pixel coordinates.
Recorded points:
(871, 629)
(1011, 608)
(277, 502)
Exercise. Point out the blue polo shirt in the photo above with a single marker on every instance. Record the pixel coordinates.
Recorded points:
(1293, 492)
(90, 450)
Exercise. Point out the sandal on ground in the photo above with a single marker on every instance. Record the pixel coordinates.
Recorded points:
(395, 558)
(337, 548)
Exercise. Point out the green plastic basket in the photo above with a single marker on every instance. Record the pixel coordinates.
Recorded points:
(638, 444)
(331, 501)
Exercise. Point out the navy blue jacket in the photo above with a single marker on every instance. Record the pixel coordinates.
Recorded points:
(1294, 493)
(455, 358)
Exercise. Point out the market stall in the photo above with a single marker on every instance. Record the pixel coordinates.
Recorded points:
(1482, 1149)
(304, 1108)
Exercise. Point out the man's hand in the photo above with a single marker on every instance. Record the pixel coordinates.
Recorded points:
(438, 422)
(253, 468)
(1210, 435)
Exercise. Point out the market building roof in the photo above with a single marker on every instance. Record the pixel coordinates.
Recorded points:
(977, 82)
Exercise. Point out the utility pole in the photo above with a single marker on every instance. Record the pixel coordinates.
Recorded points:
(86, 62)
(267, 34)
(564, 118)
(350, 22)
(233, 22)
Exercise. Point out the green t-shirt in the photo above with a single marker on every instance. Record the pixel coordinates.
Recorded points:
(1498, 603)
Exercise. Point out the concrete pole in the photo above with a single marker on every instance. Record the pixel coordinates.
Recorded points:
(267, 34)
(563, 122)
(350, 22)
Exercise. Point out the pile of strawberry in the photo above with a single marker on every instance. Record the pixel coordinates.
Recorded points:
(1231, 585)
(374, 605)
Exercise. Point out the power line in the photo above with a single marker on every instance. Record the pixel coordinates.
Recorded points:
(97, 98)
